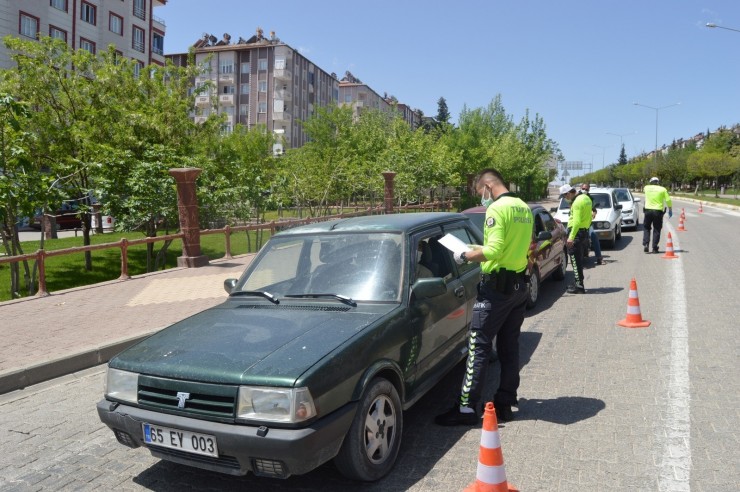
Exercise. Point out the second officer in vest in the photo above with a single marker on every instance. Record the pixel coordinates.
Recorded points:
(578, 236)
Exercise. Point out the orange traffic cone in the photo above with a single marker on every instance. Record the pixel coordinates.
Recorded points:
(683, 214)
(700, 209)
(634, 318)
(669, 255)
(491, 474)
(680, 224)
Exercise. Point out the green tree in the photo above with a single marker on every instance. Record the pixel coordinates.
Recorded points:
(443, 114)
(622, 157)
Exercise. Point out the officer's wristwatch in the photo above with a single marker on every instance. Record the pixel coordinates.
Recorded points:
(463, 257)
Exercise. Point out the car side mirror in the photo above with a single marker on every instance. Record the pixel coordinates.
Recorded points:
(618, 207)
(429, 287)
(544, 236)
(229, 285)
(553, 210)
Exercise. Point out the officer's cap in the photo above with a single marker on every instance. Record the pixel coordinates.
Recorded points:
(565, 189)
(654, 179)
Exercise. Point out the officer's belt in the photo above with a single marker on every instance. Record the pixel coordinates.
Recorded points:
(491, 277)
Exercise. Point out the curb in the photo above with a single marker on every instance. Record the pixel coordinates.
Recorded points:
(16, 379)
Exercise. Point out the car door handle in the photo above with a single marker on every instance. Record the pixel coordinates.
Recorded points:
(460, 291)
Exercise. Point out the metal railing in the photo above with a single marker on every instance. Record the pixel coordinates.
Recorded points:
(274, 226)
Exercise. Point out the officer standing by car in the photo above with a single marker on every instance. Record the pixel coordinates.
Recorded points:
(502, 296)
(655, 198)
(578, 225)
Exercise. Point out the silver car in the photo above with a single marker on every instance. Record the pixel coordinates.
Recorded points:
(630, 207)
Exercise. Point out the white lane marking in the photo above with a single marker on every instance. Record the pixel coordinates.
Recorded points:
(675, 439)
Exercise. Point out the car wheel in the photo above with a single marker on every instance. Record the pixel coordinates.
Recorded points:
(559, 272)
(618, 233)
(533, 289)
(371, 445)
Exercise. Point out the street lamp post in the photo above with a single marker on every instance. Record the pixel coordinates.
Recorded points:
(621, 137)
(603, 152)
(657, 110)
(713, 25)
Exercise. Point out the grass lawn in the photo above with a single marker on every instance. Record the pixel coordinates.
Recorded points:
(708, 196)
(67, 271)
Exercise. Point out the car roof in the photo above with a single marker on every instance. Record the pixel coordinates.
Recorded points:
(600, 190)
(379, 223)
(481, 208)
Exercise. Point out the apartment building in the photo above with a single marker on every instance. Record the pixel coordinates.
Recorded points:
(359, 96)
(129, 25)
(259, 81)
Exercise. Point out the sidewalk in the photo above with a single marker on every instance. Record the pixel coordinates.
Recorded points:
(46, 337)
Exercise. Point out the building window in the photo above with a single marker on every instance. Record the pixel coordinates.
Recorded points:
(88, 12)
(279, 63)
(29, 26)
(138, 67)
(140, 9)
(245, 67)
(244, 89)
(227, 67)
(228, 89)
(137, 41)
(59, 4)
(87, 45)
(158, 43)
(263, 86)
(115, 24)
(243, 109)
(262, 64)
(56, 33)
(262, 107)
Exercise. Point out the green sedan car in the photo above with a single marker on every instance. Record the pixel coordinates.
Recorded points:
(331, 333)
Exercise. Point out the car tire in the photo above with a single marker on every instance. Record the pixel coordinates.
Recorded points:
(559, 272)
(371, 445)
(533, 289)
(618, 233)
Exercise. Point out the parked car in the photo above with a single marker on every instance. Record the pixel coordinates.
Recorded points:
(548, 239)
(608, 221)
(630, 207)
(321, 345)
(66, 218)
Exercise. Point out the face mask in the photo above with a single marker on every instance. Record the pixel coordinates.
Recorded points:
(486, 201)
(418, 256)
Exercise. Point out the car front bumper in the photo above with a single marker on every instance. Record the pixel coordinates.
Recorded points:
(605, 235)
(274, 452)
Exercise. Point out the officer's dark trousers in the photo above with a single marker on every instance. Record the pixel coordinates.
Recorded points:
(494, 314)
(576, 253)
(653, 219)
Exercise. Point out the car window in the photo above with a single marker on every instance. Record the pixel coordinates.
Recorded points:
(363, 266)
(601, 200)
(539, 225)
(564, 204)
(623, 196)
(547, 220)
(463, 235)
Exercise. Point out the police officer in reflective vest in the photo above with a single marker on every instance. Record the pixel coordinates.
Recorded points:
(655, 197)
(499, 308)
(578, 236)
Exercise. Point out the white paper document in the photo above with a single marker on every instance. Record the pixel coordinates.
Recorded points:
(453, 243)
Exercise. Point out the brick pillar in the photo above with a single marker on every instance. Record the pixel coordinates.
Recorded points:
(187, 207)
(389, 176)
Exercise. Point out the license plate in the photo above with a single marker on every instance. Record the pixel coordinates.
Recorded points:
(190, 442)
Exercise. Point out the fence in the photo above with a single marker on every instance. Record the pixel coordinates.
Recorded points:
(274, 226)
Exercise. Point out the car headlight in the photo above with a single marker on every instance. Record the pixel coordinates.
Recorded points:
(121, 385)
(288, 405)
(603, 225)
(626, 212)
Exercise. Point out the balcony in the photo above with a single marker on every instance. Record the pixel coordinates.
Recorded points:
(283, 74)
(202, 101)
(226, 78)
(200, 119)
(282, 117)
(310, 88)
(283, 94)
(226, 99)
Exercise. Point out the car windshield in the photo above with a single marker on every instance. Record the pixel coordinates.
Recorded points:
(623, 196)
(360, 266)
(564, 204)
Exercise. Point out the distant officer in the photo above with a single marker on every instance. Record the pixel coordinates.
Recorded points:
(578, 236)
(502, 297)
(655, 198)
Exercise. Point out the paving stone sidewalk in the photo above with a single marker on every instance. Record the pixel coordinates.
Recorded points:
(46, 337)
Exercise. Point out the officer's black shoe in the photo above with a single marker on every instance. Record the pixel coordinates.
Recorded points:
(646, 249)
(576, 289)
(455, 417)
(655, 250)
(504, 413)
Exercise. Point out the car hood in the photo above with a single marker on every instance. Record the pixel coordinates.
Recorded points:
(605, 214)
(248, 343)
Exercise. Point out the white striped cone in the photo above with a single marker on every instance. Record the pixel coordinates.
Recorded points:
(669, 254)
(634, 317)
(491, 474)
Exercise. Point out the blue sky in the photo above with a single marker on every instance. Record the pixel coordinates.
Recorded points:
(579, 64)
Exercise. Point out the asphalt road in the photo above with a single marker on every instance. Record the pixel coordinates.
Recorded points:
(601, 407)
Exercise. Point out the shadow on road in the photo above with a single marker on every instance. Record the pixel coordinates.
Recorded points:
(563, 410)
